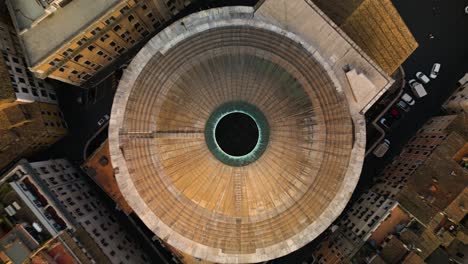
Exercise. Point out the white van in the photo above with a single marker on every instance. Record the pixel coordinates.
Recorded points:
(417, 88)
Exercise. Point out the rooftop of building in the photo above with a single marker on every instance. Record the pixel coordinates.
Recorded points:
(56, 252)
(41, 38)
(395, 221)
(18, 244)
(98, 166)
(393, 251)
(440, 180)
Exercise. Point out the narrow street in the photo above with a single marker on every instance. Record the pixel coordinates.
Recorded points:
(448, 23)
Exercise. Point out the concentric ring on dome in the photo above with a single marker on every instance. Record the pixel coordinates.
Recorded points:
(188, 197)
(240, 107)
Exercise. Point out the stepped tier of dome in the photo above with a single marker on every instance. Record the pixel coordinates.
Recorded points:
(176, 174)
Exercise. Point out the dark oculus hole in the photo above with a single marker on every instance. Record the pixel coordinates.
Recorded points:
(236, 134)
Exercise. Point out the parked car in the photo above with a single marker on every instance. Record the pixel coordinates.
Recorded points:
(403, 106)
(381, 149)
(385, 122)
(105, 118)
(408, 99)
(417, 88)
(422, 77)
(394, 112)
(435, 70)
(37, 203)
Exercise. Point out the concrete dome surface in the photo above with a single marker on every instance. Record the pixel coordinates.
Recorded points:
(183, 114)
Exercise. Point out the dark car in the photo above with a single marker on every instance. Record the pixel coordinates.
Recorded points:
(403, 106)
(395, 113)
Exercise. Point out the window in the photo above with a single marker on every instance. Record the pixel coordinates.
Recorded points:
(78, 57)
(117, 28)
(144, 7)
(104, 37)
(124, 9)
(67, 52)
(74, 72)
(62, 69)
(87, 62)
(15, 60)
(156, 24)
(21, 80)
(112, 44)
(18, 70)
(24, 90)
(91, 47)
(100, 53)
(81, 41)
(130, 18)
(96, 30)
(149, 15)
(110, 20)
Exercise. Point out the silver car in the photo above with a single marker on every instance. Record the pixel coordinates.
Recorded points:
(423, 77)
(408, 99)
(435, 70)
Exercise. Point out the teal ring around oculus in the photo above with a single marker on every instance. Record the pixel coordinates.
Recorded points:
(217, 118)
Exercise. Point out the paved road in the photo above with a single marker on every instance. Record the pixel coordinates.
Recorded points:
(81, 120)
(448, 23)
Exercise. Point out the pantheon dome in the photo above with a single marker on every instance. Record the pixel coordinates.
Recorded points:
(231, 138)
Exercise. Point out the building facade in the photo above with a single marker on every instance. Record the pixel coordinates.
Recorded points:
(99, 168)
(81, 201)
(64, 201)
(28, 203)
(415, 195)
(383, 35)
(74, 40)
(30, 118)
(458, 101)
(18, 83)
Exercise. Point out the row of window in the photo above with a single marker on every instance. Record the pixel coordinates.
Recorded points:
(65, 193)
(23, 82)
(126, 36)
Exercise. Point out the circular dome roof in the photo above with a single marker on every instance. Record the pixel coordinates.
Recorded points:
(180, 178)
